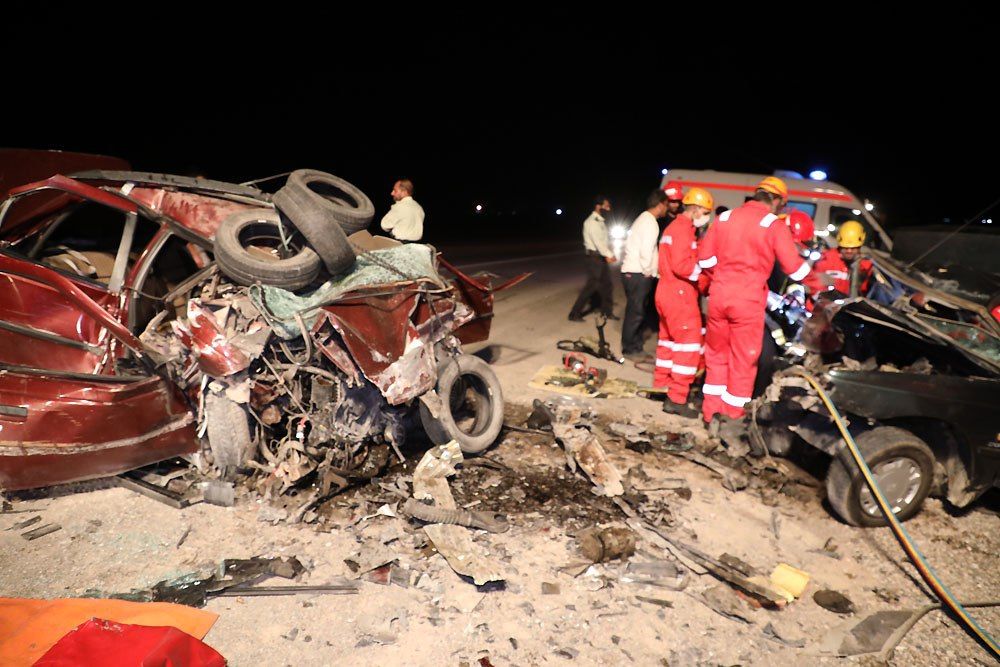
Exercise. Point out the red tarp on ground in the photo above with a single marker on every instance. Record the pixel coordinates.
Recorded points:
(100, 643)
(29, 628)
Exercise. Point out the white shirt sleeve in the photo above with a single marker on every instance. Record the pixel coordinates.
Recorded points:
(648, 247)
(405, 220)
(595, 236)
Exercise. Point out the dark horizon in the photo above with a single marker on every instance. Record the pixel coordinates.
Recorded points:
(544, 118)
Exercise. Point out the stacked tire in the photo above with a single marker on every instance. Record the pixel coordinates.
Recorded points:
(319, 209)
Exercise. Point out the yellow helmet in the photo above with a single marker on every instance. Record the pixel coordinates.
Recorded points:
(851, 235)
(699, 197)
(775, 186)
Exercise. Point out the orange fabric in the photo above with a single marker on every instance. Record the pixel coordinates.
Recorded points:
(29, 628)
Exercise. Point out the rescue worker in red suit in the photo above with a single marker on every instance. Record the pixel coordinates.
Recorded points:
(803, 233)
(675, 197)
(833, 269)
(802, 227)
(679, 349)
(740, 249)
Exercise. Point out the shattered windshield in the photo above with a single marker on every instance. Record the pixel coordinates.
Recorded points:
(968, 337)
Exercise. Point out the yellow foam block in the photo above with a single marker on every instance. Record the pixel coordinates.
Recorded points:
(789, 579)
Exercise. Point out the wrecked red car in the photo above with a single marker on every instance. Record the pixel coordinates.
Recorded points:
(123, 344)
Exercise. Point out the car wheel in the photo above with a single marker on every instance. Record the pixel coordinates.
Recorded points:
(228, 432)
(256, 246)
(903, 466)
(471, 411)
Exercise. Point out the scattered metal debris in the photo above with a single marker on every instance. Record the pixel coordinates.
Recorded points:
(584, 449)
(661, 573)
(833, 601)
(779, 635)
(27, 522)
(453, 542)
(879, 633)
(345, 588)
(656, 601)
(489, 521)
(159, 494)
(724, 601)
(42, 531)
(605, 544)
(195, 588)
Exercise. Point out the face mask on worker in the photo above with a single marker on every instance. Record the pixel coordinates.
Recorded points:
(702, 221)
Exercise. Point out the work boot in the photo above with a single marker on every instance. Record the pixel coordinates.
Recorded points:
(612, 316)
(573, 317)
(680, 409)
(726, 428)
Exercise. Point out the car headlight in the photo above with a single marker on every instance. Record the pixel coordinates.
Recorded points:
(618, 232)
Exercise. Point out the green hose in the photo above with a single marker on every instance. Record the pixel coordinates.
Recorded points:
(923, 567)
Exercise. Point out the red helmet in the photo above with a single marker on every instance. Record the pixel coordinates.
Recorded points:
(674, 190)
(803, 229)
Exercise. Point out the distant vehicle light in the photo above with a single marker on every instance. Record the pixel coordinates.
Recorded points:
(856, 211)
(618, 232)
(479, 208)
(817, 175)
(869, 206)
(664, 171)
(558, 211)
(831, 227)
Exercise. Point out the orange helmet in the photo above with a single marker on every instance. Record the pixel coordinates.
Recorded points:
(674, 190)
(699, 197)
(775, 186)
(803, 229)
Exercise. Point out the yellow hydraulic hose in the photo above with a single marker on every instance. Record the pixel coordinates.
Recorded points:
(926, 572)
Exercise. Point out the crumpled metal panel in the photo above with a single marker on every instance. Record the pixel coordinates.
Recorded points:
(75, 428)
(199, 213)
(393, 353)
(216, 354)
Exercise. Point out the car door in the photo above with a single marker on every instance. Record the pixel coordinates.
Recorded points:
(78, 398)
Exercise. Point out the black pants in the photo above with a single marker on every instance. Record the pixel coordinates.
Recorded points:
(598, 282)
(637, 290)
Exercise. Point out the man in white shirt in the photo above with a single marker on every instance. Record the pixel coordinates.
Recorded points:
(405, 219)
(599, 256)
(639, 271)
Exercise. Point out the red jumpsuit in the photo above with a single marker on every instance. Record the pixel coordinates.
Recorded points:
(837, 272)
(679, 349)
(740, 250)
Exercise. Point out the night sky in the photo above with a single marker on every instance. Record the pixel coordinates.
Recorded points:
(522, 113)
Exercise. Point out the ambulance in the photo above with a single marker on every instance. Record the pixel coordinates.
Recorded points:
(826, 202)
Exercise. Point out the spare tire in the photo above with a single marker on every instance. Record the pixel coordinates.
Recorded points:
(324, 233)
(333, 196)
(263, 228)
(471, 405)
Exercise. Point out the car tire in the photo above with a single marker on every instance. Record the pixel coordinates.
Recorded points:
(246, 268)
(902, 463)
(471, 410)
(324, 233)
(228, 429)
(779, 439)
